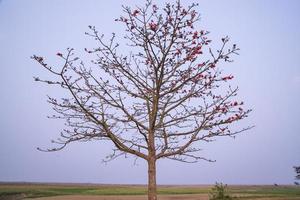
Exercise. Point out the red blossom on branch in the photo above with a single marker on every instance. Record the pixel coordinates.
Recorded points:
(227, 78)
(201, 64)
(184, 12)
(189, 23)
(135, 13)
(195, 35)
(212, 65)
(153, 26)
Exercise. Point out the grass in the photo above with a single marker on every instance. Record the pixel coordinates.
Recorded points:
(46, 190)
(265, 191)
(34, 191)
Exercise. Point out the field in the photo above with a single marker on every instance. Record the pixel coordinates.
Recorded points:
(138, 192)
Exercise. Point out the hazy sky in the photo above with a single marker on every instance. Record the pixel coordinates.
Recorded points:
(267, 73)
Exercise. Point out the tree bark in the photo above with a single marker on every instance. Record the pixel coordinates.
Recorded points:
(152, 192)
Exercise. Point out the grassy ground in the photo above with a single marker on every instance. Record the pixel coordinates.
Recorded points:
(47, 190)
(265, 191)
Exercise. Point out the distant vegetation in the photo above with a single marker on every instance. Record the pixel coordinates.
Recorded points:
(297, 170)
(237, 192)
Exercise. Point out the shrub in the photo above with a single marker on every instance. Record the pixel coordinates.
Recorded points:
(219, 192)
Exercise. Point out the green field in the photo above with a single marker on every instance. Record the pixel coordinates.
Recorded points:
(46, 190)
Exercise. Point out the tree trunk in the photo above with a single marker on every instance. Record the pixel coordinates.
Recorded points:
(152, 192)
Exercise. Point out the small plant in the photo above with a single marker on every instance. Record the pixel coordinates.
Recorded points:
(219, 191)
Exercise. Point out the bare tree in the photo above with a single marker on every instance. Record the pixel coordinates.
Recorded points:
(158, 101)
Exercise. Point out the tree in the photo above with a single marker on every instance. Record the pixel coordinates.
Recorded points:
(158, 101)
(297, 170)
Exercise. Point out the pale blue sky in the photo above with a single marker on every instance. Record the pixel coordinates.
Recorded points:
(267, 73)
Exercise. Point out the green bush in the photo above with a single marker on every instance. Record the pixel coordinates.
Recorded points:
(219, 192)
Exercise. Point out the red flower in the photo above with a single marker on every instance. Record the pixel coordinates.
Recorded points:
(189, 23)
(227, 78)
(200, 76)
(184, 12)
(147, 61)
(201, 65)
(195, 35)
(135, 13)
(153, 26)
(196, 50)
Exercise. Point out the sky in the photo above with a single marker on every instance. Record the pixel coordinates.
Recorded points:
(267, 73)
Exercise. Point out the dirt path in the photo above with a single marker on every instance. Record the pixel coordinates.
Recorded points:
(127, 197)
